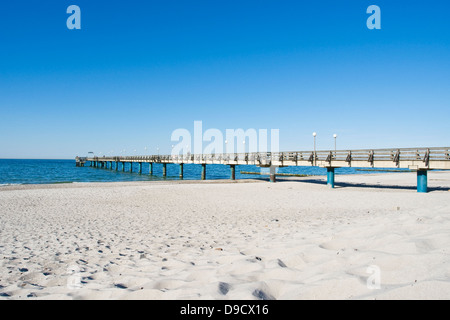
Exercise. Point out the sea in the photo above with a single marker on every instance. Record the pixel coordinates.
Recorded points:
(27, 171)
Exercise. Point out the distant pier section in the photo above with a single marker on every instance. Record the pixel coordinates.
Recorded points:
(416, 159)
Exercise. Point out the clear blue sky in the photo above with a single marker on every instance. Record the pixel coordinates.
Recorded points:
(137, 70)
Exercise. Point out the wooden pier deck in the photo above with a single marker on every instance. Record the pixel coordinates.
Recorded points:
(417, 159)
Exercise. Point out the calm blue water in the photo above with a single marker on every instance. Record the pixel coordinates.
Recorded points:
(65, 171)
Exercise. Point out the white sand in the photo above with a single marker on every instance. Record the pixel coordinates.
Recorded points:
(247, 240)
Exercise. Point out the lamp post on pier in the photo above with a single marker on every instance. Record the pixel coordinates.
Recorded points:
(335, 137)
(314, 135)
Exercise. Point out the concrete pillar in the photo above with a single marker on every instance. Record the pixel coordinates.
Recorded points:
(204, 171)
(150, 168)
(131, 166)
(422, 181)
(117, 166)
(330, 177)
(181, 171)
(233, 172)
(164, 169)
(140, 167)
(273, 177)
(123, 166)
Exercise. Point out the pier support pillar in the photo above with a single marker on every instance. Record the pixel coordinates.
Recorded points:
(117, 166)
(140, 167)
(233, 172)
(273, 177)
(422, 181)
(181, 171)
(123, 166)
(164, 169)
(204, 171)
(131, 166)
(330, 177)
(150, 168)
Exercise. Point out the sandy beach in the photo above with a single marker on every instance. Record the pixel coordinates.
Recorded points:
(372, 237)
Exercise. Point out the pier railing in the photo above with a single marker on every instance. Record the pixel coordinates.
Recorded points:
(412, 158)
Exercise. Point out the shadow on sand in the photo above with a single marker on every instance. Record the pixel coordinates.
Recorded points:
(338, 185)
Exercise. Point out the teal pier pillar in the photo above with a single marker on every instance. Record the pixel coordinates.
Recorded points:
(422, 181)
(123, 166)
(330, 177)
(140, 167)
(204, 171)
(233, 172)
(181, 171)
(117, 166)
(164, 169)
(150, 168)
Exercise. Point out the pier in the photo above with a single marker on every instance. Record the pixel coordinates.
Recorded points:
(420, 160)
